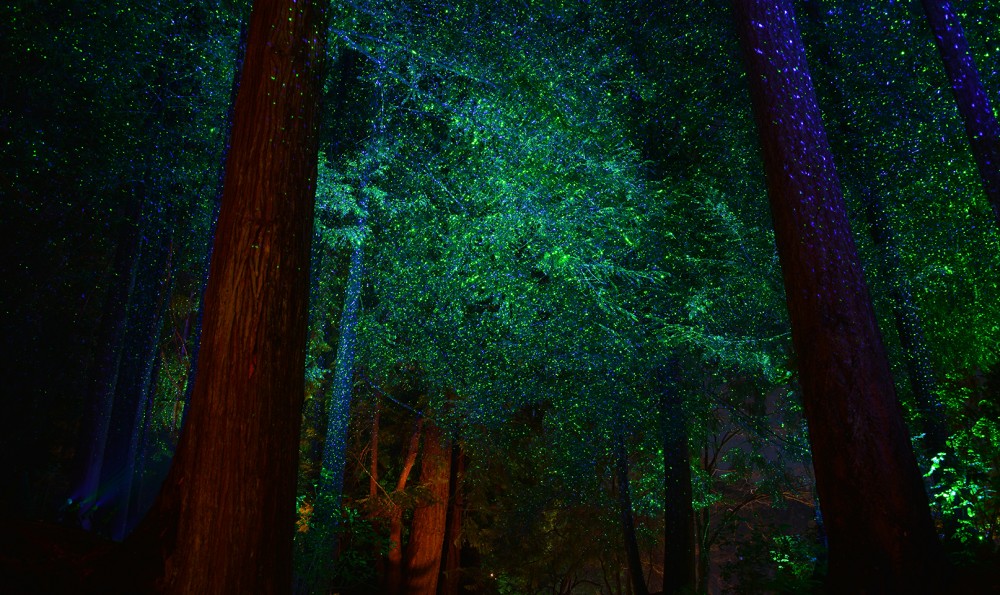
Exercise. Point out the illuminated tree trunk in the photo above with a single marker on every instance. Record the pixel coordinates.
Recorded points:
(392, 578)
(973, 104)
(876, 513)
(909, 327)
(338, 412)
(452, 552)
(423, 550)
(636, 577)
(679, 563)
(225, 518)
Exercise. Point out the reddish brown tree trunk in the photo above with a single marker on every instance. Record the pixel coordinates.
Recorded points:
(392, 582)
(877, 518)
(423, 550)
(225, 518)
(451, 555)
(373, 473)
(981, 124)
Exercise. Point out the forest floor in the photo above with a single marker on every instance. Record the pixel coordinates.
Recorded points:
(44, 558)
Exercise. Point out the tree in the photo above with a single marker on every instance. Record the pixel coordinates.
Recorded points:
(427, 531)
(225, 518)
(679, 564)
(875, 509)
(973, 103)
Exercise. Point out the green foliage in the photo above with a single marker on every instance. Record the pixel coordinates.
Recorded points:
(772, 561)
(965, 479)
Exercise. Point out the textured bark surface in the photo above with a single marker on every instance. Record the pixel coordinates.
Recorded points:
(225, 518)
(877, 518)
(873, 187)
(423, 550)
(392, 577)
(981, 124)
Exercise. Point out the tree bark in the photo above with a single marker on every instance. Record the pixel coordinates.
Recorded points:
(636, 578)
(916, 355)
(392, 581)
(973, 103)
(679, 564)
(225, 518)
(338, 413)
(908, 325)
(423, 550)
(452, 552)
(877, 518)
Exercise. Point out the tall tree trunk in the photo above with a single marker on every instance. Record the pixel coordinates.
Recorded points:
(451, 562)
(338, 413)
(916, 356)
(877, 518)
(973, 103)
(392, 581)
(423, 550)
(225, 517)
(679, 564)
(373, 472)
(633, 560)
(908, 326)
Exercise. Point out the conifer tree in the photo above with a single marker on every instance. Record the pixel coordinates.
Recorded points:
(874, 506)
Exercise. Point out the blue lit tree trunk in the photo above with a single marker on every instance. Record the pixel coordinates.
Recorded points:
(134, 390)
(973, 104)
(338, 412)
(916, 355)
(874, 505)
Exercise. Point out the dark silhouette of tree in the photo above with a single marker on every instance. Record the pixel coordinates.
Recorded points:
(225, 518)
(875, 509)
(973, 104)
(632, 556)
(679, 561)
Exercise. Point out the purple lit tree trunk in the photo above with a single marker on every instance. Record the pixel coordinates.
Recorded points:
(873, 186)
(973, 104)
(874, 505)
